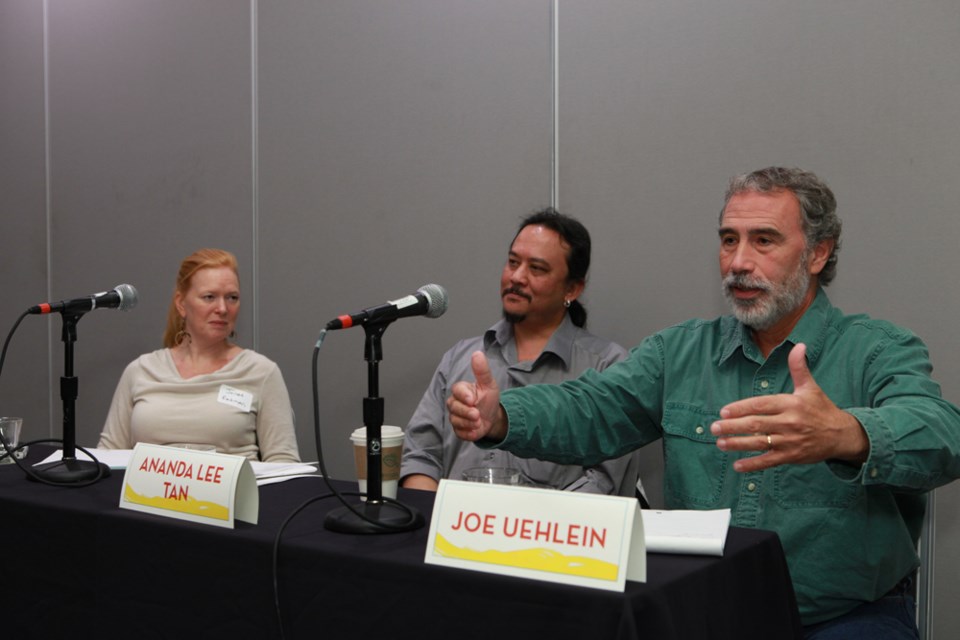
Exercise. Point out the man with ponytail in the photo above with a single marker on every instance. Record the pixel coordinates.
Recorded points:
(542, 338)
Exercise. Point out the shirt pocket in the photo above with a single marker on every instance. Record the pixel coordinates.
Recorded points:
(805, 486)
(695, 470)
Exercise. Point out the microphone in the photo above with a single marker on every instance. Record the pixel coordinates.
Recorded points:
(430, 300)
(123, 297)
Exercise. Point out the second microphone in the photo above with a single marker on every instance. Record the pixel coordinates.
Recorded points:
(429, 300)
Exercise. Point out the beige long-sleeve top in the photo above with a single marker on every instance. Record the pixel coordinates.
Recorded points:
(243, 408)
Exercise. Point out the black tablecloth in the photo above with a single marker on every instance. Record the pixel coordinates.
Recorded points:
(76, 565)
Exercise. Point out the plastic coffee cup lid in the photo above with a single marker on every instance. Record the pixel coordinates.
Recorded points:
(386, 431)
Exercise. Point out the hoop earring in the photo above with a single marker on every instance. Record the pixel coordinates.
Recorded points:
(182, 333)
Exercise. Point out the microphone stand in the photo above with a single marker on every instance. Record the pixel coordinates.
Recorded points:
(69, 470)
(379, 515)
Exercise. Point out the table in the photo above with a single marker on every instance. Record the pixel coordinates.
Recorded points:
(76, 565)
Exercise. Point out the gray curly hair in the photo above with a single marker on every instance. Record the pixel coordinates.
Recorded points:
(818, 206)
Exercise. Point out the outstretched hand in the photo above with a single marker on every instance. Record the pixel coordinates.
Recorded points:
(474, 407)
(802, 427)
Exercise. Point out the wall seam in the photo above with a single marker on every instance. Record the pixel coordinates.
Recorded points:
(48, 205)
(555, 110)
(255, 173)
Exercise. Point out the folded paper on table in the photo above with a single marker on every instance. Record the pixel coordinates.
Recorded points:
(581, 539)
(187, 484)
(688, 532)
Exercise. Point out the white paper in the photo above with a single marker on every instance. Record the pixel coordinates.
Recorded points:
(273, 472)
(689, 532)
(275, 479)
(113, 458)
(265, 472)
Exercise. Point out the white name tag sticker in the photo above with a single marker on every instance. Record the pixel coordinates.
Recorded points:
(235, 398)
(556, 536)
(199, 486)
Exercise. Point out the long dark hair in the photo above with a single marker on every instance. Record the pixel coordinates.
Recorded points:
(577, 238)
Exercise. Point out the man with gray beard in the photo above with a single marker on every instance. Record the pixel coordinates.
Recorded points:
(831, 422)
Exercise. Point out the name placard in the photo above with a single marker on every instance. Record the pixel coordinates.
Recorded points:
(200, 486)
(556, 536)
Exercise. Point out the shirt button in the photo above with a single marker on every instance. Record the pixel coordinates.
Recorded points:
(873, 472)
(752, 486)
(699, 430)
(764, 384)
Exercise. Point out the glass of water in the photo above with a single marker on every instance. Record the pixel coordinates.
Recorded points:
(10, 435)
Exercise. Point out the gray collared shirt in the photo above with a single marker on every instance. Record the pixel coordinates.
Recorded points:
(432, 448)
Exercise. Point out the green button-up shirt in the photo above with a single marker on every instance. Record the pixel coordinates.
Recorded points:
(849, 532)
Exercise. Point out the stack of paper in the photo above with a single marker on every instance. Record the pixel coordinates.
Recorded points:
(692, 532)
(266, 472)
(271, 472)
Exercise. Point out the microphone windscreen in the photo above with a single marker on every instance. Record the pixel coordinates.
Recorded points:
(128, 296)
(437, 296)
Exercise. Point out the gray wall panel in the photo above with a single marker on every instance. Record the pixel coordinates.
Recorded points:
(661, 103)
(23, 227)
(400, 143)
(151, 146)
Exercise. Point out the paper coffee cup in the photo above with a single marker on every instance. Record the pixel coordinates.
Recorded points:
(391, 443)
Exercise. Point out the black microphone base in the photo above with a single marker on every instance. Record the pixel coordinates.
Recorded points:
(70, 471)
(387, 517)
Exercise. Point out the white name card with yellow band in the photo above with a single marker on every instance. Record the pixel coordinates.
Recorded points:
(556, 536)
(200, 486)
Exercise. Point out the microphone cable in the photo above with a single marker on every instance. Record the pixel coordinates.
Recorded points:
(334, 492)
(276, 556)
(404, 526)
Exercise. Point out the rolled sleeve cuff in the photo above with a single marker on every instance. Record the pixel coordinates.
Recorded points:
(516, 426)
(878, 468)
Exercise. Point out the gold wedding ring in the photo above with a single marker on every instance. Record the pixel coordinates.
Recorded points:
(769, 442)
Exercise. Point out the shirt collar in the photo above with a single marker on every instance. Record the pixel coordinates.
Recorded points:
(810, 330)
(560, 343)
(812, 327)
